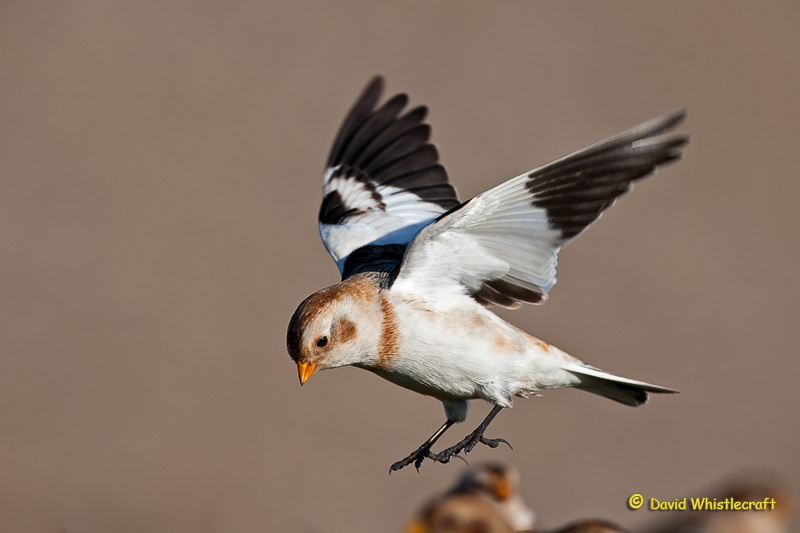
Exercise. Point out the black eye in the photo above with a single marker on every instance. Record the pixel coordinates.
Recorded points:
(322, 342)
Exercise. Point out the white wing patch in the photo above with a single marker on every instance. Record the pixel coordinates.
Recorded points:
(502, 246)
(498, 235)
(395, 218)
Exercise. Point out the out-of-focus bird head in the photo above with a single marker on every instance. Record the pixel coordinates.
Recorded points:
(501, 485)
(460, 513)
(337, 326)
(499, 481)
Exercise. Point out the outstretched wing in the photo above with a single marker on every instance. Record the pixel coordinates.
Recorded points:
(502, 246)
(383, 181)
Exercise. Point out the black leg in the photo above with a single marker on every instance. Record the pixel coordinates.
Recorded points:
(472, 440)
(423, 451)
(469, 442)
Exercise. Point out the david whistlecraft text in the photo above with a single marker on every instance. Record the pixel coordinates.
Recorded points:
(712, 504)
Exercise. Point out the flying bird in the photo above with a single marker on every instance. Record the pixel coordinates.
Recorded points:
(420, 268)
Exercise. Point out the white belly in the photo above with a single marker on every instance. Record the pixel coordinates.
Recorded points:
(468, 353)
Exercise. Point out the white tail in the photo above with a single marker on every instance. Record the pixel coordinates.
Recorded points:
(619, 389)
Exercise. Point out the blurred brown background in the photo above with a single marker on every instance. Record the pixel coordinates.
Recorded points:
(160, 167)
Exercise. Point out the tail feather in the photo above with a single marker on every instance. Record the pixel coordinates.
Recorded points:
(619, 389)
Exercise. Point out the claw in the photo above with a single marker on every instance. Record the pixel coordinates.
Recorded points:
(466, 445)
(494, 443)
(417, 457)
(504, 441)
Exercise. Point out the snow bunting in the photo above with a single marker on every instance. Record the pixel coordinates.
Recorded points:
(475, 503)
(420, 268)
(460, 513)
(487, 494)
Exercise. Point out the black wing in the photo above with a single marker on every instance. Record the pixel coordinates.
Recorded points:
(383, 182)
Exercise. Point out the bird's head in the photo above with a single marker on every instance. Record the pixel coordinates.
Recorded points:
(334, 327)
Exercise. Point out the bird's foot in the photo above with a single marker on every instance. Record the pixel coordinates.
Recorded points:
(467, 445)
(416, 457)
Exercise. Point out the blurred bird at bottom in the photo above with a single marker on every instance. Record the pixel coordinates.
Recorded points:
(485, 499)
(460, 513)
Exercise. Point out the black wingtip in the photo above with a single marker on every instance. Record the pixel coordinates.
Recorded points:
(661, 124)
(575, 189)
(673, 118)
(375, 86)
(370, 96)
(361, 109)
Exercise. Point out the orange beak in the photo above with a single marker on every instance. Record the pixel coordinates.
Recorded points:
(304, 370)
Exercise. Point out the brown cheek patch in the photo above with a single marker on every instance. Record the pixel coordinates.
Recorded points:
(346, 330)
(390, 336)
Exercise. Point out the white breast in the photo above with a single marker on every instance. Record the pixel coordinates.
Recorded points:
(464, 351)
